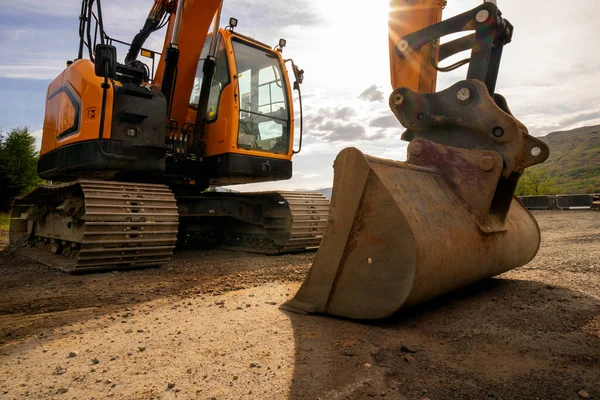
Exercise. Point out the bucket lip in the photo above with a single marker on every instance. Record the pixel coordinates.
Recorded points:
(402, 287)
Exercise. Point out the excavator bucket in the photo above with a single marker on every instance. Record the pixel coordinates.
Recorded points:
(400, 233)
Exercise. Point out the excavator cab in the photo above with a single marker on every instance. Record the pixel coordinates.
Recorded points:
(249, 110)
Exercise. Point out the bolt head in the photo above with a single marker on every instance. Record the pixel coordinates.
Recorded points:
(398, 99)
(482, 16)
(498, 132)
(402, 45)
(463, 94)
(415, 149)
(486, 163)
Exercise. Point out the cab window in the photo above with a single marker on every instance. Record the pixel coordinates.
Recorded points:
(219, 81)
(264, 122)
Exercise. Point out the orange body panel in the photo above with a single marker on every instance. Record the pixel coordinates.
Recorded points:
(415, 71)
(76, 86)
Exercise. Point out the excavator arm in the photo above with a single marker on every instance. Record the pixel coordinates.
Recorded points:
(414, 69)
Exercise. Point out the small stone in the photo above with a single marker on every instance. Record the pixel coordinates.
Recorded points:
(235, 377)
(59, 370)
(95, 361)
(584, 395)
(141, 348)
(93, 370)
(408, 349)
(189, 371)
(253, 365)
(408, 358)
(140, 331)
(349, 354)
(62, 390)
(272, 303)
(170, 385)
(72, 355)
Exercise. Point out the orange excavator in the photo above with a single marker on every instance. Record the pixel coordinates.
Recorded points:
(137, 152)
(400, 233)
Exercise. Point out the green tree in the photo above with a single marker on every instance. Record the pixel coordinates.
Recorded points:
(535, 182)
(18, 165)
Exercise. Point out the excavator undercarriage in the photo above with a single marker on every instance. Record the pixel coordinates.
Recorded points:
(90, 225)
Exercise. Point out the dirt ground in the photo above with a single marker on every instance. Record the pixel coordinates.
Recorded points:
(208, 326)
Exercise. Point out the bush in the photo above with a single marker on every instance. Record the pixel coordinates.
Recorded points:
(535, 182)
(18, 165)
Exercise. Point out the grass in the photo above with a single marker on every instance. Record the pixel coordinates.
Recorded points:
(4, 221)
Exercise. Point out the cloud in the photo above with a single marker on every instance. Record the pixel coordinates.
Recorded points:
(372, 93)
(30, 71)
(304, 175)
(335, 131)
(564, 122)
(385, 121)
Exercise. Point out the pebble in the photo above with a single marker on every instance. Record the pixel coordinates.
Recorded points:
(170, 385)
(408, 358)
(95, 361)
(584, 395)
(408, 349)
(59, 370)
(72, 354)
(141, 348)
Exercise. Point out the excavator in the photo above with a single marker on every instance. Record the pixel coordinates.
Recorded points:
(135, 153)
(401, 233)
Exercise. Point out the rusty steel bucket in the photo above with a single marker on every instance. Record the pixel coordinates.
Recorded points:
(400, 233)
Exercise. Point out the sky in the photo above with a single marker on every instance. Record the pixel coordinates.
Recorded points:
(548, 73)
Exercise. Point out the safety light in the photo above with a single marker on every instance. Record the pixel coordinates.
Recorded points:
(146, 53)
(233, 22)
(282, 43)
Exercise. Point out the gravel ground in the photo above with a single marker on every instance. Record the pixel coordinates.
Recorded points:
(208, 326)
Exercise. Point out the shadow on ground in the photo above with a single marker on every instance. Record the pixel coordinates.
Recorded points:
(500, 338)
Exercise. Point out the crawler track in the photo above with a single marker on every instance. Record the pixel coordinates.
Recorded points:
(92, 225)
(260, 222)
